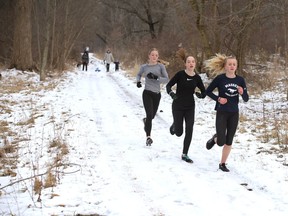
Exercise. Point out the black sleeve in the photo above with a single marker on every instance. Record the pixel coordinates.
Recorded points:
(245, 95)
(211, 87)
(201, 86)
(171, 83)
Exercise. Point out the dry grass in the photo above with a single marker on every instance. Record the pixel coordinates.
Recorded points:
(15, 84)
(4, 109)
(134, 70)
(50, 180)
(9, 148)
(37, 186)
(8, 172)
(55, 143)
(8, 158)
(30, 121)
(266, 76)
(25, 84)
(4, 127)
(64, 149)
(271, 124)
(2, 155)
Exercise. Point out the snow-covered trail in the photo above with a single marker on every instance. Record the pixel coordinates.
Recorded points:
(123, 177)
(119, 175)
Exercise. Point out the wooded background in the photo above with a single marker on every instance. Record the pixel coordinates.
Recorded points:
(46, 35)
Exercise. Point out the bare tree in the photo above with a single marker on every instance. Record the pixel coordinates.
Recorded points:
(242, 20)
(227, 28)
(59, 25)
(61, 29)
(47, 37)
(6, 30)
(152, 13)
(200, 7)
(22, 51)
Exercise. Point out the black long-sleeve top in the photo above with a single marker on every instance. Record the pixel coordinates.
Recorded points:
(227, 88)
(186, 86)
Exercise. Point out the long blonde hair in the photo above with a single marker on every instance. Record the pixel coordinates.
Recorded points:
(215, 65)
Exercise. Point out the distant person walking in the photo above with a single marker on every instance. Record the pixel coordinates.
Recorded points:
(108, 59)
(155, 73)
(229, 86)
(85, 60)
(183, 106)
(117, 63)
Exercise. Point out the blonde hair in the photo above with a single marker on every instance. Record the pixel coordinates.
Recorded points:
(215, 65)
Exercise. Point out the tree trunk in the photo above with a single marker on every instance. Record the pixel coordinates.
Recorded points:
(199, 7)
(44, 59)
(22, 51)
(53, 36)
(244, 32)
(37, 29)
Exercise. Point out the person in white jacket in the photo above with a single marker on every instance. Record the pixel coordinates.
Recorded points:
(108, 58)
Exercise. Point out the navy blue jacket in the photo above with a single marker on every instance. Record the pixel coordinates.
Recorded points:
(227, 88)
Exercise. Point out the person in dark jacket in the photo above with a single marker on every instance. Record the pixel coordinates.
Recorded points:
(85, 60)
(183, 106)
(230, 86)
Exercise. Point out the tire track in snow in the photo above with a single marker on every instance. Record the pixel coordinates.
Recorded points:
(110, 159)
(235, 178)
(116, 162)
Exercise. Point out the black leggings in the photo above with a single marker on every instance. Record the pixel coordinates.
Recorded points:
(107, 67)
(226, 125)
(84, 66)
(151, 102)
(179, 116)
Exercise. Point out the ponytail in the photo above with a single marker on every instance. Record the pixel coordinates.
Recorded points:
(215, 65)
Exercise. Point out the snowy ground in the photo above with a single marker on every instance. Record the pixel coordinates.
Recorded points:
(110, 171)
